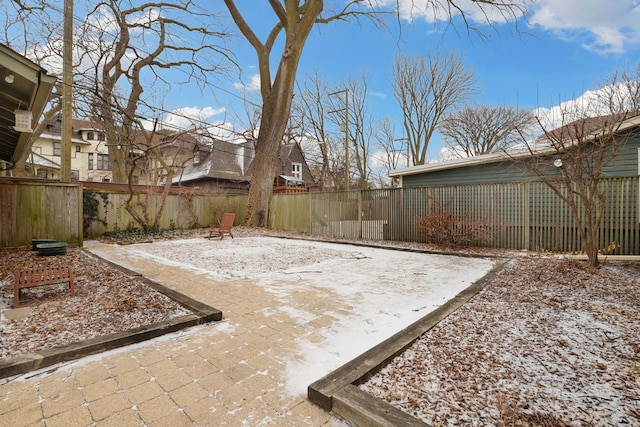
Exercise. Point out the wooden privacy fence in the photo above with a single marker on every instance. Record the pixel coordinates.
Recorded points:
(525, 215)
(181, 210)
(34, 210)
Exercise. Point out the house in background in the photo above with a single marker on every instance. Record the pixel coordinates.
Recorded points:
(90, 160)
(510, 207)
(219, 167)
(501, 168)
(226, 168)
(24, 92)
(295, 175)
(89, 152)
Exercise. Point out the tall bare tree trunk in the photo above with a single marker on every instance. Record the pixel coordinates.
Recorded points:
(275, 115)
(296, 21)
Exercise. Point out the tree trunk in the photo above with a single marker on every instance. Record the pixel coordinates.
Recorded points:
(276, 109)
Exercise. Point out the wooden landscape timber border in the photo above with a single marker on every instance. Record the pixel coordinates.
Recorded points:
(200, 313)
(338, 391)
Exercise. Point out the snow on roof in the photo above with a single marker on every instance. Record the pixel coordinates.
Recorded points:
(59, 138)
(38, 160)
(292, 179)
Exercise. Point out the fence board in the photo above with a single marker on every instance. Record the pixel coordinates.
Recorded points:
(45, 210)
(525, 215)
(521, 215)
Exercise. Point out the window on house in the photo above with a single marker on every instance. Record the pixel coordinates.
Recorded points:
(296, 170)
(56, 149)
(90, 165)
(90, 136)
(41, 173)
(135, 179)
(75, 176)
(78, 148)
(103, 162)
(101, 136)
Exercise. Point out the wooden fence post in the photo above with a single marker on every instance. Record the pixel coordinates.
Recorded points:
(526, 219)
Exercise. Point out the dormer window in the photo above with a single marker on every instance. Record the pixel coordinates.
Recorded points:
(90, 136)
(296, 170)
(101, 136)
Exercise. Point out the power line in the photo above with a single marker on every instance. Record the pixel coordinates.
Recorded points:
(89, 24)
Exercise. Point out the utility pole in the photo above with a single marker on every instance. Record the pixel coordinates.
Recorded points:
(67, 92)
(346, 134)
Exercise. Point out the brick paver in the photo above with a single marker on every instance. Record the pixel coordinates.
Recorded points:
(228, 373)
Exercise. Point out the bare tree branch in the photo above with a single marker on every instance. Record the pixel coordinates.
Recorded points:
(482, 129)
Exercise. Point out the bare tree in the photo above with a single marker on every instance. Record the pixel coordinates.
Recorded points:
(295, 19)
(312, 107)
(32, 28)
(570, 160)
(163, 155)
(391, 152)
(591, 134)
(426, 90)
(360, 129)
(621, 91)
(143, 41)
(481, 129)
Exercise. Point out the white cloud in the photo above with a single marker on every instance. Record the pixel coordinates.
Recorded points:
(185, 116)
(592, 103)
(603, 26)
(254, 83)
(434, 11)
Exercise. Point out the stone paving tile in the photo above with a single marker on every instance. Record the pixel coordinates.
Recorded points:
(128, 417)
(17, 395)
(132, 378)
(159, 407)
(189, 393)
(100, 389)
(227, 373)
(108, 405)
(65, 402)
(27, 414)
(78, 416)
(143, 392)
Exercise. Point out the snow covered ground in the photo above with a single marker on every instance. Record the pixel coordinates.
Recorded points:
(377, 292)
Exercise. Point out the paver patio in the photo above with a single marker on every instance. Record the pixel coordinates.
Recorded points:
(237, 372)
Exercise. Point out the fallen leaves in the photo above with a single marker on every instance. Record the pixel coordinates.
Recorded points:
(547, 343)
(106, 301)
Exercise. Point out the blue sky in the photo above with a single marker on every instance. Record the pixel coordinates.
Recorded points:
(565, 48)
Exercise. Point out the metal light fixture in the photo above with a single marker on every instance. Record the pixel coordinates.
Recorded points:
(9, 78)
(23, 121)
(557, 163)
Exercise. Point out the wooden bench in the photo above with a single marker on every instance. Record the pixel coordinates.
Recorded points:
(40, 277)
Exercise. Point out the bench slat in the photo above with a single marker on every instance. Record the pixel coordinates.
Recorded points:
(39, 277)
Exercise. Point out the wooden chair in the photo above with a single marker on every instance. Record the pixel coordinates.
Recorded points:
(224, 227)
